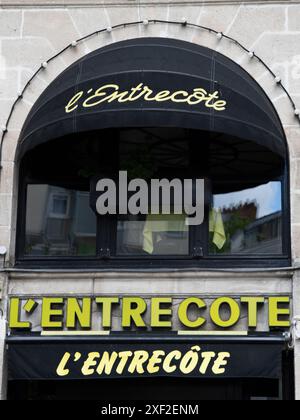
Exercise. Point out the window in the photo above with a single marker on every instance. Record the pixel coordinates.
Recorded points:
(246, 204)
(59, 222)
(250, 221)
(153, 235)
(59, 205)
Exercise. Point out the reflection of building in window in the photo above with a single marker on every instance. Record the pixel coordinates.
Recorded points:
(59, 222)
(246, 233)
(243, 186)
(246, 211)
(59, 205)
(264, 235)
(237, 218)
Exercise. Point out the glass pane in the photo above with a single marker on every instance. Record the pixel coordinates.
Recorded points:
(153, 154)
(153, 236)
(60, 204)
(247, 222)
(59, 222)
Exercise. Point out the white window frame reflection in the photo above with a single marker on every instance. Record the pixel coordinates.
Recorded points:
(52, 213)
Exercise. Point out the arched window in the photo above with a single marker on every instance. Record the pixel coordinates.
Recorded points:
(157, 109)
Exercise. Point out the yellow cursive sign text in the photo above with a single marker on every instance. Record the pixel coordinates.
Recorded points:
(112, 93)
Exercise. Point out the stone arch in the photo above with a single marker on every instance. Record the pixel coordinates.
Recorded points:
(181, 32)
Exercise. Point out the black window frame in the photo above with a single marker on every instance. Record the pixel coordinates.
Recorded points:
(199, 257)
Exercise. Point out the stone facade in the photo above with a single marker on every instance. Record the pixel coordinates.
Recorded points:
(32, 31)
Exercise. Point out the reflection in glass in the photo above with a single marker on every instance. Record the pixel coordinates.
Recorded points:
(59, 222)
(153, 154)
(247, 221)
(153, 235)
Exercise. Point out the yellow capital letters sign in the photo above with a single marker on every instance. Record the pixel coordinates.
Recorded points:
(89, 314)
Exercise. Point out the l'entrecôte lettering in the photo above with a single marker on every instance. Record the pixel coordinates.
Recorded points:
(75, 312)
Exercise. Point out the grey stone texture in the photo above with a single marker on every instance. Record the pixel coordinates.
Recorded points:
(3, 323)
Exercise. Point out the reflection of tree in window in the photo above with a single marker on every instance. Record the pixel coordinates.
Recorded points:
(253, 226)
(244, 195)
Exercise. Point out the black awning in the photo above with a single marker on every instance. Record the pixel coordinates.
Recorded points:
(140, 356)
(161, 65)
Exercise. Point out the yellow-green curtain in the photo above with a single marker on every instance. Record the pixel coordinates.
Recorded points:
(176, 223)
(162, 223)
(216, 226)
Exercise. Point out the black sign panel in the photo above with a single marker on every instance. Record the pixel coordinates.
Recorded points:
(91, 360)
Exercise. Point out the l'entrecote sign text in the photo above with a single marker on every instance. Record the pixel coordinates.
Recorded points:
(193, 313)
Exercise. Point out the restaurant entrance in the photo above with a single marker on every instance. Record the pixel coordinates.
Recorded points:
(154, 389)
